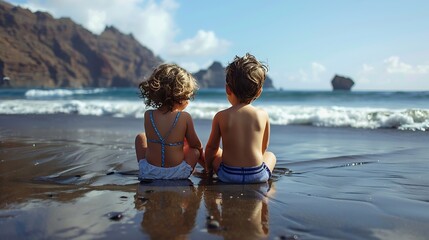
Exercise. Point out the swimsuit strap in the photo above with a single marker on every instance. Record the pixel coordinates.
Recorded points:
(161, 139)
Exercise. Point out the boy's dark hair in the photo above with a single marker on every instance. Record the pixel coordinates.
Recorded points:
(245, 76)
(169, 84)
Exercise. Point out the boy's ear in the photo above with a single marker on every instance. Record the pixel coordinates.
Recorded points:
(228, 90)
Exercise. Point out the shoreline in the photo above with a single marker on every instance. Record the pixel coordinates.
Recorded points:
(71, 176)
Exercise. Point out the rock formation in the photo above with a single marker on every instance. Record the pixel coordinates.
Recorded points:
(5, 82)
(40, 51)
(342, 83)
(214, 77)
(37, 50)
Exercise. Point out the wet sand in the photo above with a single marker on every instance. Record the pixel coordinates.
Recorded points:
(68, 176)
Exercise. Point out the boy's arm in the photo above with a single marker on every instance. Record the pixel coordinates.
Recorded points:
(266, 139)
(213, 144)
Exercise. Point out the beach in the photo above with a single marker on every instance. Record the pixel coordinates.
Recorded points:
(69, 176)
(339, 88)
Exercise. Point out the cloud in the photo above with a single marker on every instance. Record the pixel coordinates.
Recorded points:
(317, 69)
(393, 74)
(395, 65)
(97, 21)
(190, 66)
(151, 22)
(303, 76)
(367, 68)
(203, 43)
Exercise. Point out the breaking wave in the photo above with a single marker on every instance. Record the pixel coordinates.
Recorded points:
(52, 93)
(321, 116)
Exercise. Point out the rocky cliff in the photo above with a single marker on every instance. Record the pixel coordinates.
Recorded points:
(214, 77)
(37, 50)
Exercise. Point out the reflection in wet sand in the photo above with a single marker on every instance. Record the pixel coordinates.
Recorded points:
(239, 210)
(170, 208)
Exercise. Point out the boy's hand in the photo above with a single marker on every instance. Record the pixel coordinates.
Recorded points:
(209, 171)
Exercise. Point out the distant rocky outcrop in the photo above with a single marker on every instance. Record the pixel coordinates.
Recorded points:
(214, 77)
(5, 82)
(342, 83)
(40, 51)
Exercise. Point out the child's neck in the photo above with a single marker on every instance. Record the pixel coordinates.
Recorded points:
(236, 102)
(165, 109)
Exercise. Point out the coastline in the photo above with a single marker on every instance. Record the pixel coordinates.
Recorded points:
(65, 176)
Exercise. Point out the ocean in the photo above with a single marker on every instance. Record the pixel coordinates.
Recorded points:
(350, 165)
(357, 109)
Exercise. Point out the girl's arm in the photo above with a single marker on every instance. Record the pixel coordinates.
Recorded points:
(213, 144)
(191, 135)
(192, 139)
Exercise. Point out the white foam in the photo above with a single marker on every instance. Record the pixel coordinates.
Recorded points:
(42, 93)
(92, 107)
(369, 118)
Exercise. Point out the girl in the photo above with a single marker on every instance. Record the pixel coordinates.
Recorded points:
(169, 148)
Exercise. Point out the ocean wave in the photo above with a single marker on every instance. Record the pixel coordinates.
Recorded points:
(50, 93)
(321, 116)
(92, 107)
(369, 118)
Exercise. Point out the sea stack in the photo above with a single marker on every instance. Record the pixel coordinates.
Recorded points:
(5, 82)
(342, 83)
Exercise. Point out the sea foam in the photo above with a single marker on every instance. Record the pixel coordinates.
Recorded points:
(320, 116)
(50, 93)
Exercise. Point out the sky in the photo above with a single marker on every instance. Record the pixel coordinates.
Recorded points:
(380, 44)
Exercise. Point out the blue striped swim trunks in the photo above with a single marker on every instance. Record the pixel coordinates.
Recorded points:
(243, 174)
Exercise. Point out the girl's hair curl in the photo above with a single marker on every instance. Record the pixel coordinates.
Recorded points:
(169, 84)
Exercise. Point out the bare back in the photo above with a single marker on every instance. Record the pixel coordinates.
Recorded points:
(244, 131)
(182, 129)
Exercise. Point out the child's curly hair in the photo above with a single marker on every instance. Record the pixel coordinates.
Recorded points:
(245, 76)
(169, 84)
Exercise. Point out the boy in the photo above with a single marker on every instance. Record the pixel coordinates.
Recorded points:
(244, 129)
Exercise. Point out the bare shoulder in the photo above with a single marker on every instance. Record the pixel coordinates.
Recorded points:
(261, 112)
(185, 115)
(221, 114)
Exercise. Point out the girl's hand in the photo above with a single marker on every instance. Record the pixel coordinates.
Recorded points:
(201, 159)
